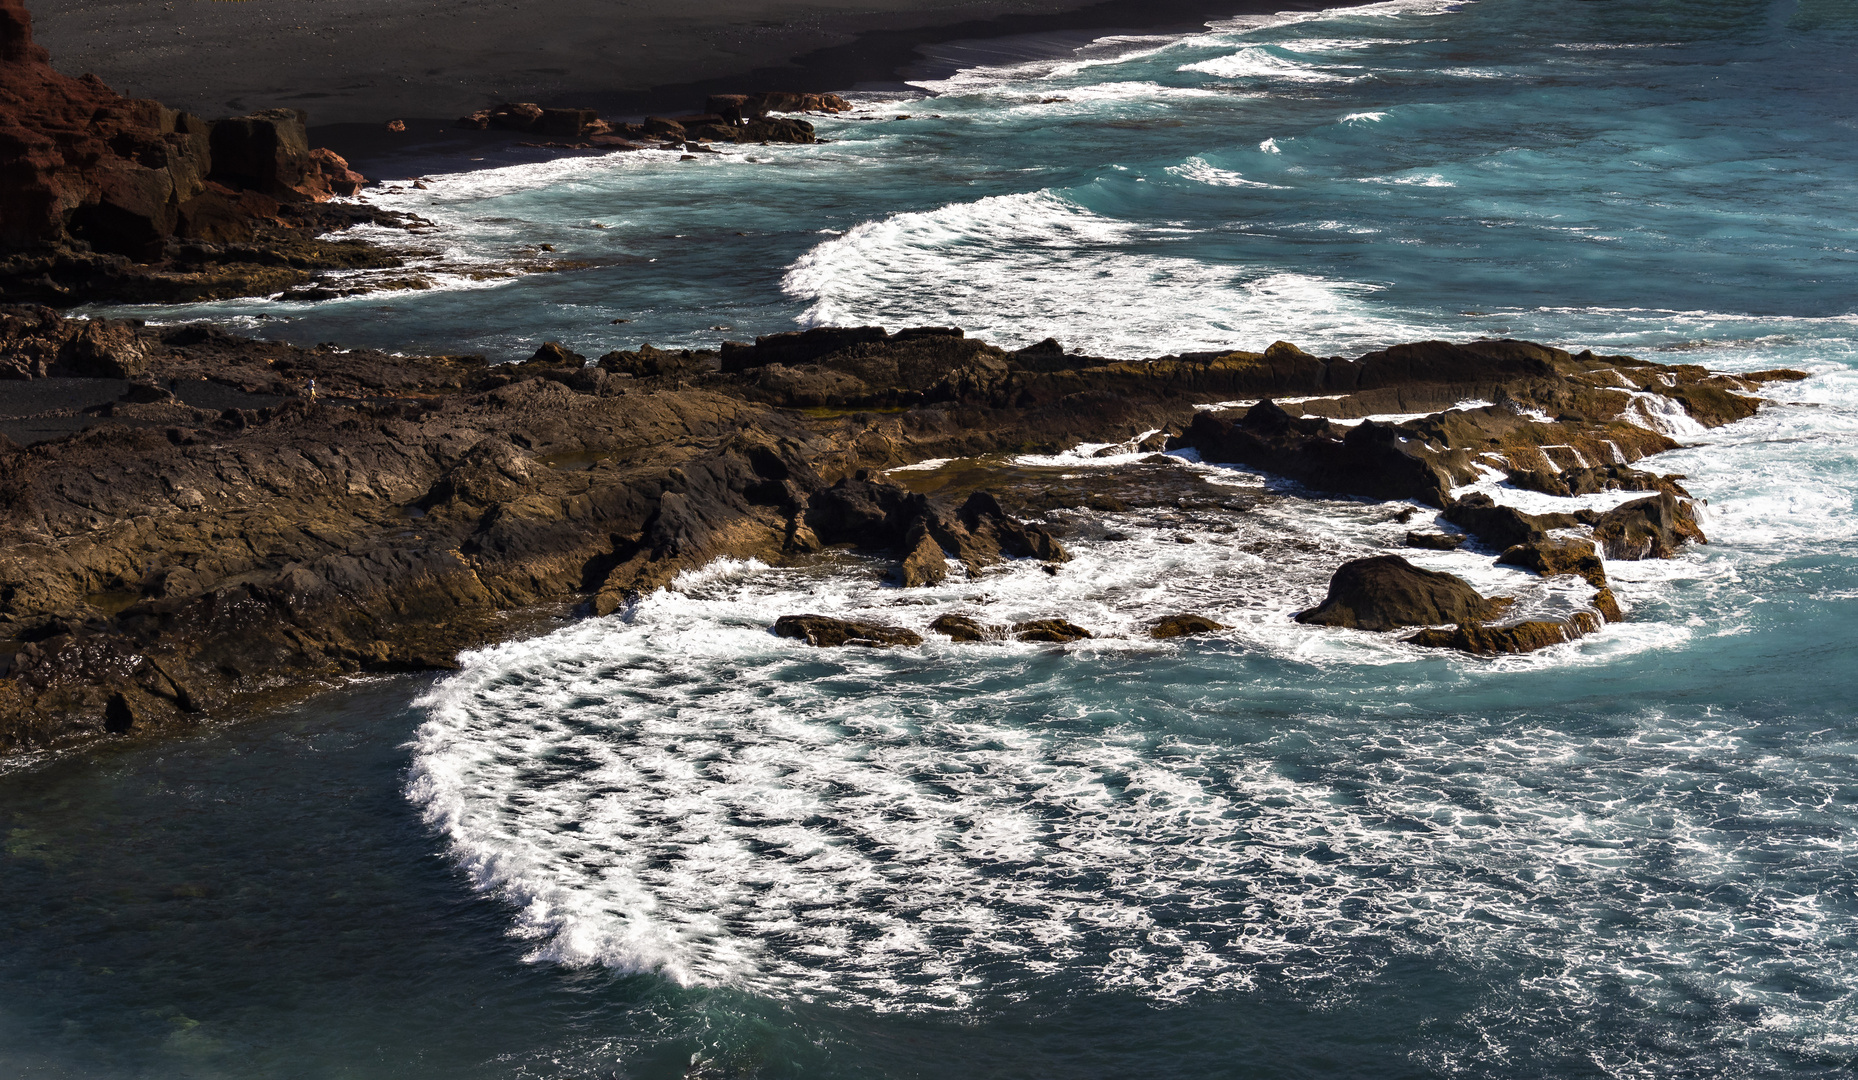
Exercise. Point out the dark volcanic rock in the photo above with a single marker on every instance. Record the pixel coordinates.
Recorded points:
(1368, 459)
(963, 628)
(1504, 526)
(107, 197)
(1387, 592)
(823, 631)
(923, 561)
(743, 108)
(186, 533)
(1183, 625)
(1554, 557)
(1523, 637)
(1050, 631)
(1651, 528)
(875, 515)
(1435, 541)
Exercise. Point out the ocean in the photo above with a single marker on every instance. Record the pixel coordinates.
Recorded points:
(668, 844)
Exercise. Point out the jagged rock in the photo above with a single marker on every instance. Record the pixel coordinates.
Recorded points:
(1183, 625)
(1504, 526)
(1592, 480)
(1651, 528)
(96, 186)
(869, 514)
(1435, 541)
(1387, 592)
(1523, 637)
(648, 362)
(923, 562)
(824, 631)
(1550, 558)
(742, 108)
(555, 354)
(1368, 459)
(1050, 631)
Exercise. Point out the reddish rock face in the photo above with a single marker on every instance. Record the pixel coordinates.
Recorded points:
(80, 162)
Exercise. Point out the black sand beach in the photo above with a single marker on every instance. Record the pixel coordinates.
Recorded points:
(363, 62)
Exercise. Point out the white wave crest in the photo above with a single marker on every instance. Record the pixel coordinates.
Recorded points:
(1020, 268)
(1257, 63)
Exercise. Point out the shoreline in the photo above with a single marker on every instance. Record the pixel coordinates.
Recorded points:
(384, 512)
(818, 51)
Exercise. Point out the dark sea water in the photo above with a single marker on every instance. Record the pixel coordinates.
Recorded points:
(667, 844)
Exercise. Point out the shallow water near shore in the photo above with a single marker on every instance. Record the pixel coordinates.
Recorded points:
(669, 844)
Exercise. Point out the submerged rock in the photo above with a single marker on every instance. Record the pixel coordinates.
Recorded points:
(1435, 541)
(1184, 625)
(1051, 631)
(1523, 637)
(963, 628)
(825, 632)
(1387, 592)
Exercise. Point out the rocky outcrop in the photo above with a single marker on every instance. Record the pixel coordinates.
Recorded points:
(1651, 528)
(1045, 631)
(106, 197)
(1522, 637)
(1370, 458)
(825, 632)
(191, 532)
(1432, 541)
(731, 118)
(745, 108)
(1183, 626)
(921, 532)
(1387, 592)
(1050, 631)
(965, 628)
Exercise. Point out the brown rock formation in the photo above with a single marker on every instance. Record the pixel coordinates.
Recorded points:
(826, 632)
(97, 189)
(1184, 625)
(1050, 631)
(1523, 637)
(1387, 592)
(191, 533)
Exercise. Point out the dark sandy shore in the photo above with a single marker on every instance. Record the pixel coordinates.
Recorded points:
(362, 62)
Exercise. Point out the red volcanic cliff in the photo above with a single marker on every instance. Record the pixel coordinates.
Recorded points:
(81, 163)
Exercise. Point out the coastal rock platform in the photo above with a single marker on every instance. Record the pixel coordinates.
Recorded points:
(192, 523)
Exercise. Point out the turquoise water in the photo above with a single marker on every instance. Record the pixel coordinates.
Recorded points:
(667, 844)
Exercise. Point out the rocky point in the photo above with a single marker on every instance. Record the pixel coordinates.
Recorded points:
(192, 523)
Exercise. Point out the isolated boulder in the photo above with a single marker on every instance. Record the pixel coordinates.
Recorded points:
(1050, 631)
(1184, 625)
(824, 632)
(1387, 592)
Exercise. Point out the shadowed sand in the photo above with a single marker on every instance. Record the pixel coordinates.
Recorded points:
(366, 61)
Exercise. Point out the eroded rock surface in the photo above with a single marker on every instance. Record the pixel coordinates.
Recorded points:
(186, 529)
(826, 632)
(107, 197)
(1387, 592)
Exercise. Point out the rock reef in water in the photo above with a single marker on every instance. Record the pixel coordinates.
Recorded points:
(823, 631)
(106, 197)
(728, 118)
(1387, 593)
(185, 531)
